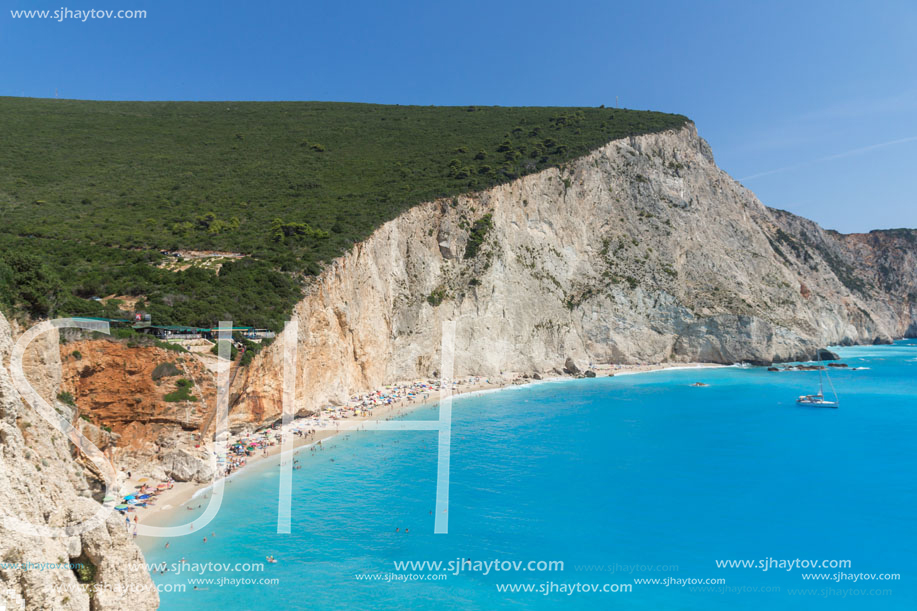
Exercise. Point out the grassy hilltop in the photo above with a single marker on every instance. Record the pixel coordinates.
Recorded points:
(90, 192)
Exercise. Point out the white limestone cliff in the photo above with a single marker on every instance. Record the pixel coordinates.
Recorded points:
(642, 251)
(41, 484)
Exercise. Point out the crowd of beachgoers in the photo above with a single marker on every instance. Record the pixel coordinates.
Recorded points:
(405, 393)
(144, 494)
(245, 446)
(242, 448)
(384, 403)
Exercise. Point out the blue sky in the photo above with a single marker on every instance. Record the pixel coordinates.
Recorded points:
(813, 107)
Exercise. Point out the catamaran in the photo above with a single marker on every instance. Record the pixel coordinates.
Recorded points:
(818, 399)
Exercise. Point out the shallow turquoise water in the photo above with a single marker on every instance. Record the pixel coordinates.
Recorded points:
(632, 470)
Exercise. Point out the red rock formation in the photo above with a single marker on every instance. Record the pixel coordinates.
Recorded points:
(113, 386)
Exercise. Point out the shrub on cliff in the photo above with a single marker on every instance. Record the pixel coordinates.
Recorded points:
(165, 370)
(170, 346)
(84, 569)
(251, 348)
(182, 393)
(436, 297)
(479, 232)
(233, 351)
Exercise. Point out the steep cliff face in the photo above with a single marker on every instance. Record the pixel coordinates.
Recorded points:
(642, 251)
(125, 389)
(887, 264)
(42, 485)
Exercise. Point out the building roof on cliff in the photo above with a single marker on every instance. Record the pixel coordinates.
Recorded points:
(103, 319)
(174, 328)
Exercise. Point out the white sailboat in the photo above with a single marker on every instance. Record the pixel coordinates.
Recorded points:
(819, 400)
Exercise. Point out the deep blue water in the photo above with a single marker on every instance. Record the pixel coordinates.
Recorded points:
(630, 470)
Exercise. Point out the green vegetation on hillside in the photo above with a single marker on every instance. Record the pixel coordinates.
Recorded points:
(476, 237)
(91, 192)
(165, 370)
(182, 392)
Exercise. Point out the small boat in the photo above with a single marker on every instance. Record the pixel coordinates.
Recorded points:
(818, 399)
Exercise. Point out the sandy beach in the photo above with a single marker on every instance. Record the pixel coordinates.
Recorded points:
(178, 498)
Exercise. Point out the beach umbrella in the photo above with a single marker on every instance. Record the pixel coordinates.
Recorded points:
(129, 496)
(143, 479)
(133, 502)
(162, 486)
(120, 507)
(108, 498)
(143, 496)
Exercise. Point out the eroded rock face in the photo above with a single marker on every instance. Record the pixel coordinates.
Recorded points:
(41, 484)
(118, 387)
(185, 466)
(114, 385)
(642, 251)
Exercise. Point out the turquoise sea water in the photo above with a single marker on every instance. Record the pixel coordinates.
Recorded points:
(640, 470)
